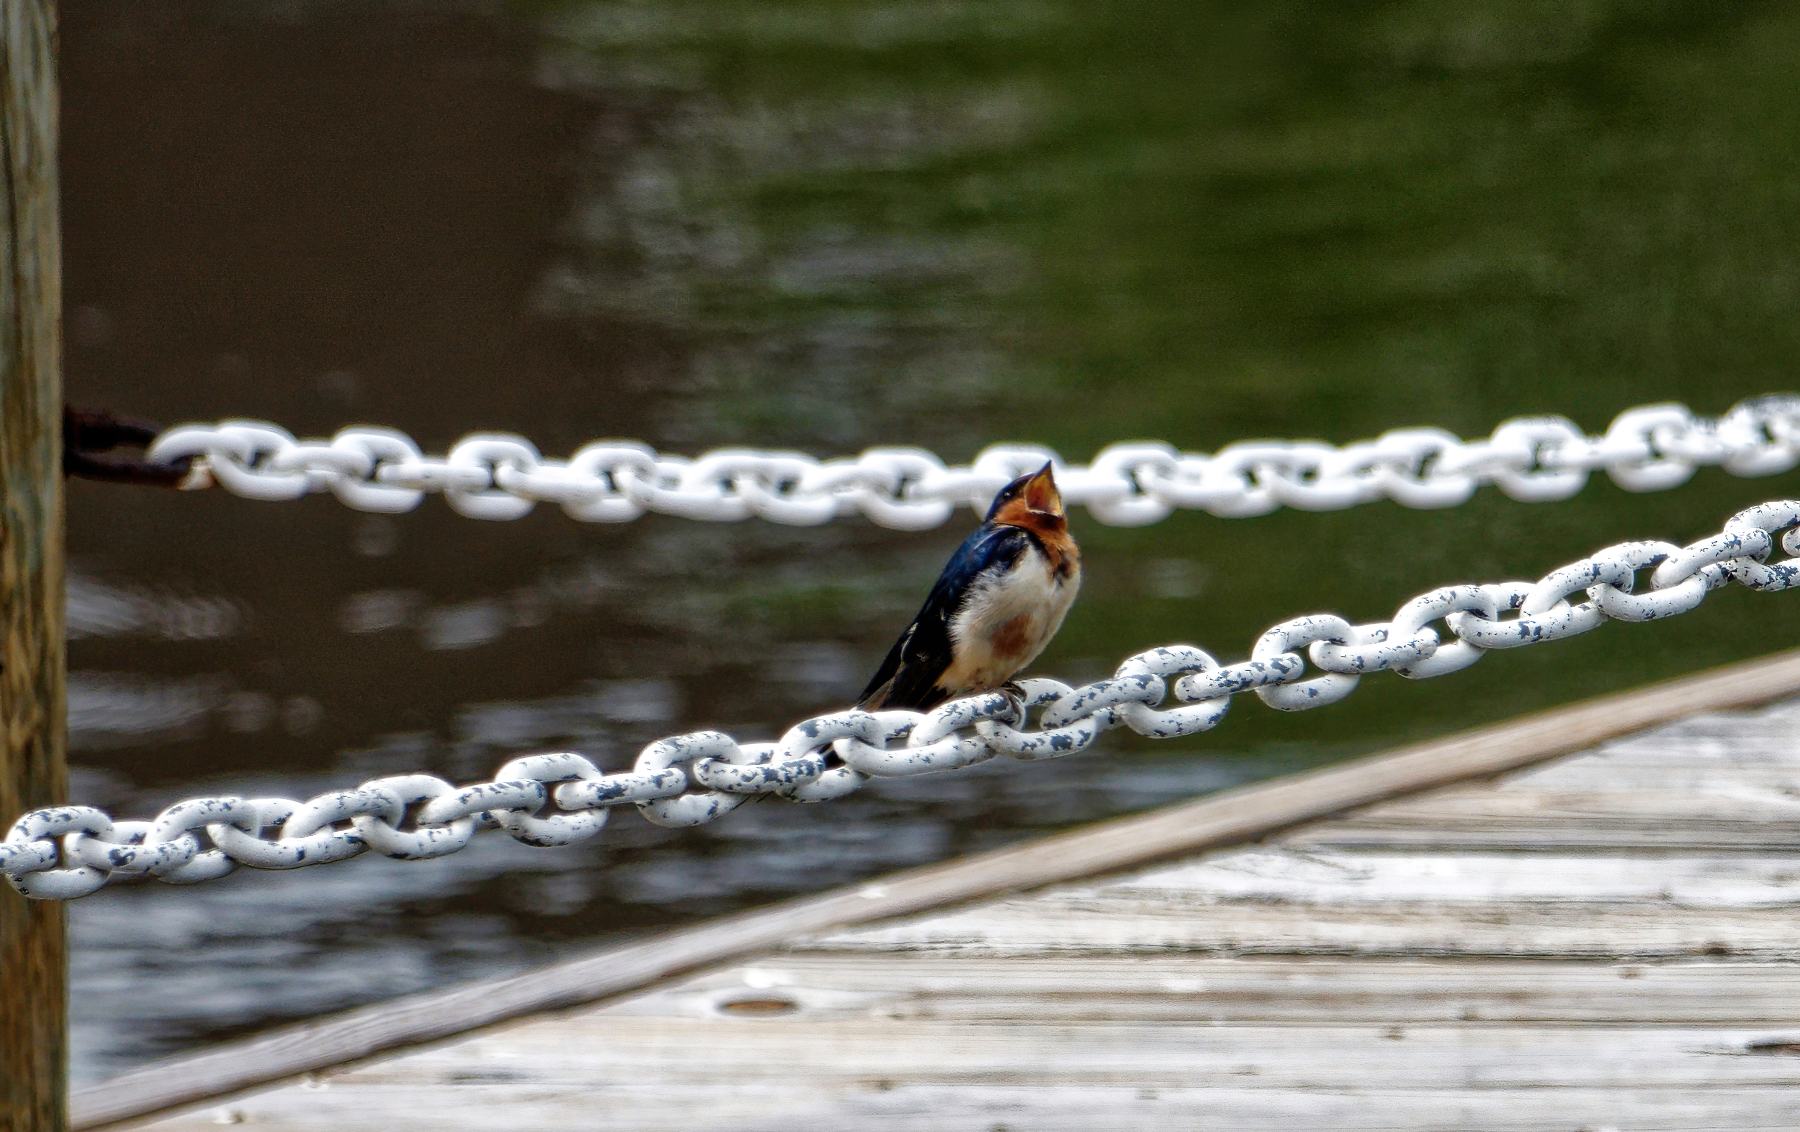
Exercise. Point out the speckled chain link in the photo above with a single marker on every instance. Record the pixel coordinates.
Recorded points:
(561, 799)
(499, 476)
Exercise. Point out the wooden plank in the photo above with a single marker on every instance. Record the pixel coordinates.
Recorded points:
(1732, 734)
(1498, 881)
(1222, 819)
(1722, 796)
(1206, 989)
(1722, 781)
(33, 959)
(980, 1107)
(740, 1069)
(562, 1053)
(1560, 837)
(1134, 924)
(594, 1071)
(1585, 774)
(1282, 900)
(1717, 814)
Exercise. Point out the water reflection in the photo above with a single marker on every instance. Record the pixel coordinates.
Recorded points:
(825, 226)
(96, 609)
(108, 710)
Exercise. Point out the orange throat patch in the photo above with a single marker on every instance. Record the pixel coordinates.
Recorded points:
(1052, 533)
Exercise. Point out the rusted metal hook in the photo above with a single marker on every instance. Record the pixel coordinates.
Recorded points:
(87, 432)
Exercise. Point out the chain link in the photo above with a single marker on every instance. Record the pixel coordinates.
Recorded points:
(496, 476)
(563, 799)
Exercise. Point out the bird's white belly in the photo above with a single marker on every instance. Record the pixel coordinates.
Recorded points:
(1006, 622)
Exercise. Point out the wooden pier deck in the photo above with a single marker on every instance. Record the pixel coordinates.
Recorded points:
(1606, 939)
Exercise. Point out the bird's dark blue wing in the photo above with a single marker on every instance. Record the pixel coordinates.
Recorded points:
(908, 677)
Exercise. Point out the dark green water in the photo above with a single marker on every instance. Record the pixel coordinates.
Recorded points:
(827, 226)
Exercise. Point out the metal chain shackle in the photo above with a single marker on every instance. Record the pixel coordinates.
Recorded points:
(562, 798)
(498, 477)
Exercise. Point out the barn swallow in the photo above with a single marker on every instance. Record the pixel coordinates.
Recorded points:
(998, 602)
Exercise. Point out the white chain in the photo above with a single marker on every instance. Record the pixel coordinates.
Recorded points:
(498, 476)
(560, 799)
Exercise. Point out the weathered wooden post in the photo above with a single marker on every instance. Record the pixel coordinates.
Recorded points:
(33, 961)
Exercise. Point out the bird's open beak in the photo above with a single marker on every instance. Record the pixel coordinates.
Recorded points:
(1041, 494)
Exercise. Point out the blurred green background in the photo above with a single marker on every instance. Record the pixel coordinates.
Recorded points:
(1230, 221)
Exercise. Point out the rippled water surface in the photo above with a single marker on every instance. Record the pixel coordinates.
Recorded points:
(825, 225)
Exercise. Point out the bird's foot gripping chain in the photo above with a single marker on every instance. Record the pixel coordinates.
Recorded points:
(1015, 696)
